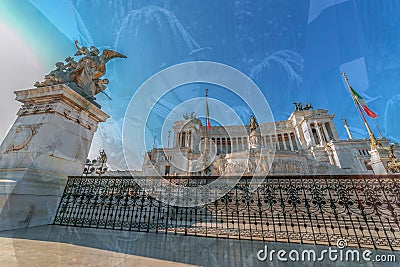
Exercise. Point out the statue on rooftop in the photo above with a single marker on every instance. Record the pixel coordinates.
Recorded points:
(254, 135)
(84, 74)
(308, 106)
(299, 106)
(253, 124)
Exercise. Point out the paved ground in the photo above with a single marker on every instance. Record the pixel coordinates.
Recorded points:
(14, 252)
(72, 246)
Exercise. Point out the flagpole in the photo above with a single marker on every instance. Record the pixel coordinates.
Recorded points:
(379, 130)
(207, 115)
(206, 140)
(374, 143)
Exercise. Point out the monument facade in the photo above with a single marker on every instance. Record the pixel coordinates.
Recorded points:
(305, 144)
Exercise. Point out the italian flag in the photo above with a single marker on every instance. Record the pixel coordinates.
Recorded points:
(360, 101)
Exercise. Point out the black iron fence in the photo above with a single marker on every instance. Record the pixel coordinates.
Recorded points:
(363, 210)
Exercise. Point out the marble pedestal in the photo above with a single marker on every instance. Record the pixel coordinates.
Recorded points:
(379, 160)
(49, 141)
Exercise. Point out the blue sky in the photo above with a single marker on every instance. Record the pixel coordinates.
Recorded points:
(293, 50)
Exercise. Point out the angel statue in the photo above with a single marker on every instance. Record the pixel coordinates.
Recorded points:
(298, 105)
(253, 124)
(84, 74)
(308, 106)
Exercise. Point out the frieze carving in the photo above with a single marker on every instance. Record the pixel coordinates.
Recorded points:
(23, 135)
(293, 167)
(78, 118)
(318, 169)
(318, 115)
(282, 125)
(36, 109)
(63, 110)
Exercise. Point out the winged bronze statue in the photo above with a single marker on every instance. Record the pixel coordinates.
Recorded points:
(106, 56)
(86, 73)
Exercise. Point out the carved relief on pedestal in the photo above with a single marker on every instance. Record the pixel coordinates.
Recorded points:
(78, 118)
(215, 168)
(235, 166)
(36, 109)
(61, 109)
(262, 166)
(287, 167)
(23, 135)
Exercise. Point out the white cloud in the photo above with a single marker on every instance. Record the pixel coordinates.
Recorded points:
(19, 69)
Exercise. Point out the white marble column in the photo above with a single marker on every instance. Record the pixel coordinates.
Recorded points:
(187, 139)
(321, 138)
(328, 139)
(290, 141)
(311, 134)
(283, 141)
(183, 137)
(298, 147)
(271, 144)
(178, 140)
(278, 146)
(192, 141)
(237, 143)
(334, 132)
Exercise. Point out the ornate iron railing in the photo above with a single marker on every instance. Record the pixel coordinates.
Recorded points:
(363, 210)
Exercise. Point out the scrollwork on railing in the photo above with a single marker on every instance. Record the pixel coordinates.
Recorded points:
(363, 210)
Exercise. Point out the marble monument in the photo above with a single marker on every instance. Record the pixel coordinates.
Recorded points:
(51, 138)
